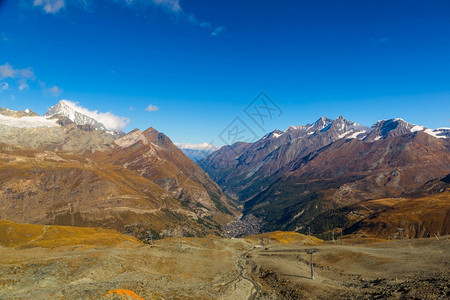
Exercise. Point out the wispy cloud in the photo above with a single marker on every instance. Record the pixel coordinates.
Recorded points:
(4, 38)
(218, 30)
(171, 6)
(22, 78)
(4, 86)
(23, 86)
(50, 6)
(8, 71)
(174, 6)
(152, 107)
(111, 121)
(379, 41)
(55, 91)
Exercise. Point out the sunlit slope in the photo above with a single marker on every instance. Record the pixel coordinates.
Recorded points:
(424, 216)
(29, 235)
(421, 217)
(60, 188)
(285, 237)
(152, 155)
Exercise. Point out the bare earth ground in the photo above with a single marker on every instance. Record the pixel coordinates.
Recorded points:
(217, 268)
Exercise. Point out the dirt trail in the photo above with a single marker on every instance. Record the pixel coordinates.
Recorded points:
(243, 287)
(44, 230)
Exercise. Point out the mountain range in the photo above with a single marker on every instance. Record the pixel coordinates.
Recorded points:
(290, 177)
(67, 168)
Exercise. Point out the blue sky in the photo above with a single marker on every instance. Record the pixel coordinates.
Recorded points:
(199, 64)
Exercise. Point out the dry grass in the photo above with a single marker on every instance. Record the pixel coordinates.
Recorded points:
(30, 235)
(124, 294)
(418, 217)
(287, 237)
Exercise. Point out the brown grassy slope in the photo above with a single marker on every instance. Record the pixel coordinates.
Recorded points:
(421, 217)
(30, 235)
(285, 237)
(60, 188)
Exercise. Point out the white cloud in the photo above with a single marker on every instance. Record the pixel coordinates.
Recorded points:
(111, 121)
(50, 6)
(4, 86)
(194, 20)
(8, 71)
(21, 76)
(218, 30)
(152, 107)
(173, 5)
(202, 146)
(23, 86)
(55, 91)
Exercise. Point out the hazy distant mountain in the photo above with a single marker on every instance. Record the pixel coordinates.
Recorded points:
(197, 152)
(289, 177)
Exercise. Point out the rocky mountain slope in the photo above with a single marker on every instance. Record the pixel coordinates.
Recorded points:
(56, 171)
(29, 130)
(65, 189)
(289, 177)
(240, 166)
(152, 155)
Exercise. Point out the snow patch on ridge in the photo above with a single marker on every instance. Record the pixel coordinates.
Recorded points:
(276, 135)
(417, 128)
(355, 134)
(344, 134)
(434, 133)
(27, 122)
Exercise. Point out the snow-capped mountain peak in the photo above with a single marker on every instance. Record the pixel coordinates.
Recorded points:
(66, 109)
(345, 128)
(388, 128)
(320, 124)
(394, 127)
